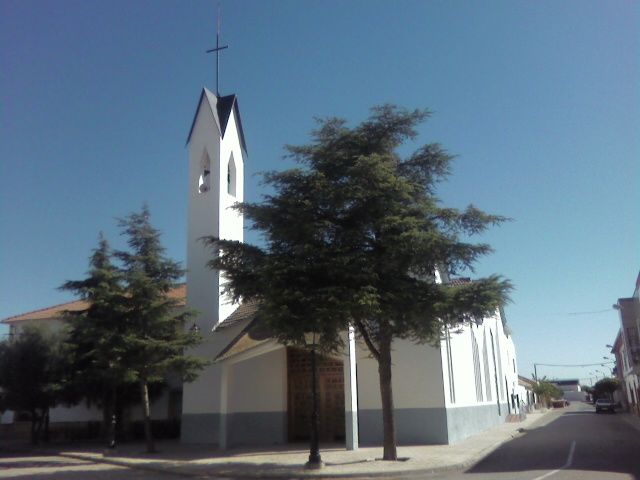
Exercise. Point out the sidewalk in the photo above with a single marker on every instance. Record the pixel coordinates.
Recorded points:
(632, 419)
(288, 461)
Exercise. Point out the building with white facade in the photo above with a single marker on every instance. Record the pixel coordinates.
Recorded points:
(626, 348)
(167, 406)
(256, 392)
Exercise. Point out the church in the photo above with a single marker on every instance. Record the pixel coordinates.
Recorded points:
(256, 392)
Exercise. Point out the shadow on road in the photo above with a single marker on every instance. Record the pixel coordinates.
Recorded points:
(603, 443)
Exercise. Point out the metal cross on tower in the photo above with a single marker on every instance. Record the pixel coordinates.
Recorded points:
(217, 50)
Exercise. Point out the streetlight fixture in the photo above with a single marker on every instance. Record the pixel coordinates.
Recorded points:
(315, 460)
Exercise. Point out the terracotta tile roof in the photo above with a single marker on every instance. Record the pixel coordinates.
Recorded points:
(55, 311)
(48, 312)
(459, 281)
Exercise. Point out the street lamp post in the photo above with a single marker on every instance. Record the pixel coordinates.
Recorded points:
(112, 442)
(315, 460)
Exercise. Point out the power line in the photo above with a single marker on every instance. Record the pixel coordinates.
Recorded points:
(599, 364)
(570, 314)
(590, 313)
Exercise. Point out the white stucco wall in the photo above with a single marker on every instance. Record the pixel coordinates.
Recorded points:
(77, 413)
(203, 211)
(231, 221)
(462, 358)
(202, 395)
(416, 377)
(210, 212)
(50, 325)
(259, 384)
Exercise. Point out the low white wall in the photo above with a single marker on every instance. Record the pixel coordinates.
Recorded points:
(203, 395)
(259, 384)
(77, 413)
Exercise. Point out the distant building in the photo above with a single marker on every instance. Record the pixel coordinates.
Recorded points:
(525, 388)
(626, 348)
(572, 389)
(166, 407)
(572, 385)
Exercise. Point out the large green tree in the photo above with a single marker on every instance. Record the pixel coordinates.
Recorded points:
(32, 375)
(547, 391)
(354, 236)
(606, 387)
(97, 335)
(155, 338)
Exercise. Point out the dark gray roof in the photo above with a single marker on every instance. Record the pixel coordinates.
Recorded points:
(246, 311)
(566, 382)
(221, 108)
(255, 332)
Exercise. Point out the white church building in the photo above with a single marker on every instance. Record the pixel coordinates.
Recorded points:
(256, 392)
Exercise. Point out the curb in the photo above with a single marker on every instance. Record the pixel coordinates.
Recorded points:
(296, 472)
(183, 470)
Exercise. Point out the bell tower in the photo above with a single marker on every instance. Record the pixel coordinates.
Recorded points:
(217, 153)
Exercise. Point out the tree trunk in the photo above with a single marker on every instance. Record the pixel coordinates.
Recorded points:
(144, 390)
(46, 425)
(386, 392)
(119, 411)
(106, 415)
(34, 426)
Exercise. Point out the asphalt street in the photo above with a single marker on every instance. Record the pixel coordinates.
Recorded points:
(573, 443)
(569, 444)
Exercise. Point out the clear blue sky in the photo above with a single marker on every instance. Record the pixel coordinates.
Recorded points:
(539, 100)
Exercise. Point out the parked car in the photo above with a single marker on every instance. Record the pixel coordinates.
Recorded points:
(604, 404)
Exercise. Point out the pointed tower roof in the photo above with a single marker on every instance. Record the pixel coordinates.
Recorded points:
(220, 108)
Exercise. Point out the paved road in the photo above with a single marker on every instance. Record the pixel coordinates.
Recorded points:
(32, 467)
(574, 444)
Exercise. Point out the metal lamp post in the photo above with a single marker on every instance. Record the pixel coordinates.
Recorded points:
(315, 460)
(112, 440)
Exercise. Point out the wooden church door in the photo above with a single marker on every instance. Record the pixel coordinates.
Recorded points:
(330, 396)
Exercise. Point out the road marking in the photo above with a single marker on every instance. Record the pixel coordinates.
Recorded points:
(566, 465)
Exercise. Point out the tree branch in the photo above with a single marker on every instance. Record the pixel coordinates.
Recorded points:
(367, 339)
